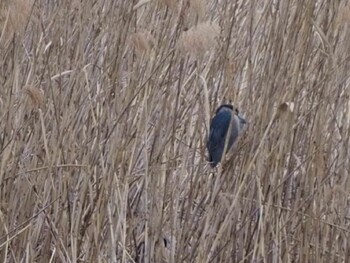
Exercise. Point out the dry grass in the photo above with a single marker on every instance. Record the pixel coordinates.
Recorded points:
(105, 107)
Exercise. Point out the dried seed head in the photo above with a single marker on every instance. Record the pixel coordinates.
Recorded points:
(172, 4)
(143, 42)
(36, 96)
(284, 110)
(199, 39)
(198, 7)
(14, 16)
(343, 16)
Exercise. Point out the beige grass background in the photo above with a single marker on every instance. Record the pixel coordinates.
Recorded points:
(104, 112)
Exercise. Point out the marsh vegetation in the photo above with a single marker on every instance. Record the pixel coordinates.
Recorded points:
(104, 115)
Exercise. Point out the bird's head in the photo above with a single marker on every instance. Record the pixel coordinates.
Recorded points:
(225, 107)
(230, 107)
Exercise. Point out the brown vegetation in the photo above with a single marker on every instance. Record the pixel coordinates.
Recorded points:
(105, 107)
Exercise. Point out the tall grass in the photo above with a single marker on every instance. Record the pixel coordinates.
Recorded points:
(104, 113)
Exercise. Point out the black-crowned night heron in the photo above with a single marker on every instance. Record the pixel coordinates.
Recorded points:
(226, 120)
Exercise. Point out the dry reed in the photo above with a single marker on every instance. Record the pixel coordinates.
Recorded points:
(108, 164)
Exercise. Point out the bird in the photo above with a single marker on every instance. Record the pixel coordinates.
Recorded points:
(219, 127)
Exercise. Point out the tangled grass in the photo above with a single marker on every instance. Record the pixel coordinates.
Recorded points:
(105, 107)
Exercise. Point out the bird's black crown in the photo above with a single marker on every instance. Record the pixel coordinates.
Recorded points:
(230, 106)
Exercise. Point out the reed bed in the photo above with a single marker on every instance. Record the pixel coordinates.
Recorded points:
(104, 115)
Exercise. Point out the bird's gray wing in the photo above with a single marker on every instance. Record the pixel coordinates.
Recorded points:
(216, 141)
(218, 127)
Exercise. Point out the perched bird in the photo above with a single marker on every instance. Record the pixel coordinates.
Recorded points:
(219, 128)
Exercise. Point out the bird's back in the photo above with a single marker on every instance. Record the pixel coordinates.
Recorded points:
(217, 136)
